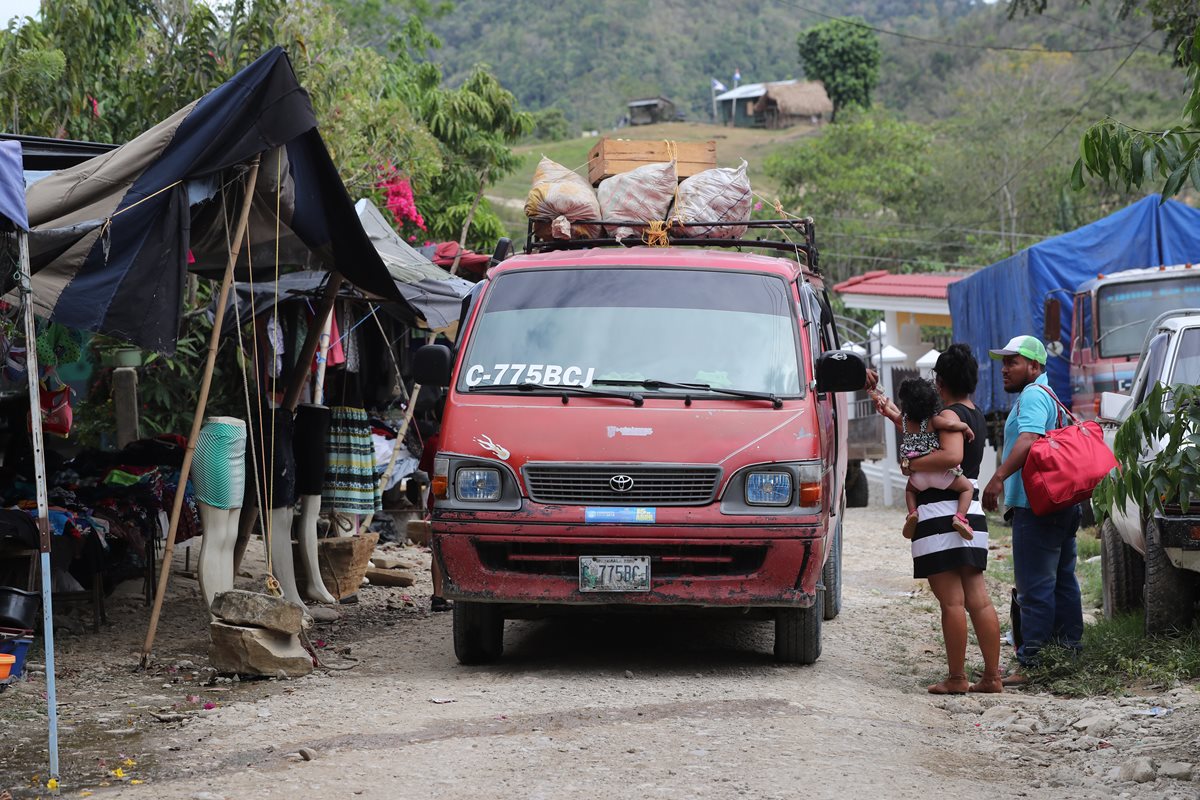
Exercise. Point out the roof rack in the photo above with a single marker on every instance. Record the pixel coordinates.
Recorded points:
(802, 227)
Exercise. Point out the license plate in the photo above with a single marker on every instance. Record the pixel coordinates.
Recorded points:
(614, 573)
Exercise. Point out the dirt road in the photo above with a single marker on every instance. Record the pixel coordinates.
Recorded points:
(610, 708)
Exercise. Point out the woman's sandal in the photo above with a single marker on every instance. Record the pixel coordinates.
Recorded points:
(963, 526)
(988, 683)
(910, 525)
(954, 684)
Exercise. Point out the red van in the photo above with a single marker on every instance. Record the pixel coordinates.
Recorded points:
(644, 426)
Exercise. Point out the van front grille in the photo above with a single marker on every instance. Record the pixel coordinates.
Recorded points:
(622, 485)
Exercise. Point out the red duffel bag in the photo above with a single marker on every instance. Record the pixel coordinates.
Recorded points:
(1065, 465)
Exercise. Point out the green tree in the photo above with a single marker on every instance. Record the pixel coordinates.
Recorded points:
(867, 169)
(844, 57)
(29, 68)
(550, 125)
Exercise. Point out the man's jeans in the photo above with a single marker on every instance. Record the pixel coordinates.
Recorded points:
(1044, 567)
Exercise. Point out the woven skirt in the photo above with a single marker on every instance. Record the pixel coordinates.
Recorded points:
(350, 485)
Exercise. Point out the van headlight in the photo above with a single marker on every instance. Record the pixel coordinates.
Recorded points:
(769, 488)
(477, 484)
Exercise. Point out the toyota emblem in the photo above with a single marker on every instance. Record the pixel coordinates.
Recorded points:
(620, 483)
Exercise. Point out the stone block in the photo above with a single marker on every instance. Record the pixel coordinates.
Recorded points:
(250, 609)
(256, 651)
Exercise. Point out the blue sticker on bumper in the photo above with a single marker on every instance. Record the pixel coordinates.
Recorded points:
(622, 514)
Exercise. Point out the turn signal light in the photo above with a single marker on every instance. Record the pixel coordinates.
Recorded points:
(1194, 533)
(439, 485)
(810, 494)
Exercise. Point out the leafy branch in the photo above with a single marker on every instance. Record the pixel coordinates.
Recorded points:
(1169, 421)
(1117, 153)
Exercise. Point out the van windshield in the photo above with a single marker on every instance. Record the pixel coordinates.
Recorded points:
(730, 330)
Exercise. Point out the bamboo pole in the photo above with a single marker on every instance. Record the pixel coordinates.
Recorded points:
(304, 362)
(214, 340)
(387, 473)
(43, 503)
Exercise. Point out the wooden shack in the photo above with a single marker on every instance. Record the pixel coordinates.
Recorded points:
(650, 110)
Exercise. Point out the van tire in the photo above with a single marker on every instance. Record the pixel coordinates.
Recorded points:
(1169, 593)
(1123, 572)
(798, 632)
(858, 489)
(831, 575)
(478, 632)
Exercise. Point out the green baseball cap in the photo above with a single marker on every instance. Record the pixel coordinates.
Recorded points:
(1028, 346)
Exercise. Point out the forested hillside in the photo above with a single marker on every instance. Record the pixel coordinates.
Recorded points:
(589, 57)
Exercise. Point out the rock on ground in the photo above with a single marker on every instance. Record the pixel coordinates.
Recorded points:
(257, 651)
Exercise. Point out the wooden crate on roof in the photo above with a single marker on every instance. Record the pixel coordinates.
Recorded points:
(613, 156)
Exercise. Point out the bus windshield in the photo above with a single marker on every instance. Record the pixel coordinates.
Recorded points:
(576, 326)
(1126, 310)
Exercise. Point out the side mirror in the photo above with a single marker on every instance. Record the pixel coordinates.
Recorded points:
(1052, 322)
(1114, 407)
(432, 365)
(504, 249)
(840, 371)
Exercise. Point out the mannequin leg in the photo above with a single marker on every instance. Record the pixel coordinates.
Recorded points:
(215, 569)
(247, 520)
(310, 509)
(282, 565)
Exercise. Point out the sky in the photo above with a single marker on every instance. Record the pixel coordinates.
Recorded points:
(18, 8)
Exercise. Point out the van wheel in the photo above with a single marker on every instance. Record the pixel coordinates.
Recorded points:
(1123, 571)
(858, 489)
(1169, 593)
(798, 632)
(831, 575)
(478, 632)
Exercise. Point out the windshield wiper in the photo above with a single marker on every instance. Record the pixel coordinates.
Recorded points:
(565, 391)
(653, 384)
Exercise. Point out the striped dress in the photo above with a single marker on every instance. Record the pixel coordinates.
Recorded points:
(350, 484)
(936, 546)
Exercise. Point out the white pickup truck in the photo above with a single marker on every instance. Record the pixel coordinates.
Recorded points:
(1153, 560)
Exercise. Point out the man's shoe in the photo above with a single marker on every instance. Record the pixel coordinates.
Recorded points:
(440, 604)
(1015, 679)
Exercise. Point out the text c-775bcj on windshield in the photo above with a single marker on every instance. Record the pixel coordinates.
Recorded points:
(546, 374)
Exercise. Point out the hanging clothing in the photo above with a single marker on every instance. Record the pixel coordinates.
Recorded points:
(350, 485)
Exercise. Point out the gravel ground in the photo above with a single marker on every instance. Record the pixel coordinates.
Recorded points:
(614, 708)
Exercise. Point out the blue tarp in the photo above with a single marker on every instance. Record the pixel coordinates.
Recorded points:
(1008, 298)
(12, 185)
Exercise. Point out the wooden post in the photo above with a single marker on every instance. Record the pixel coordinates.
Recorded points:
(311, 341)
(43, 502)
(164, 573)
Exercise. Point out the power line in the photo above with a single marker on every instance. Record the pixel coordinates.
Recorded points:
(918, 226)
(922, 242)
(947, 43)
(827, 254)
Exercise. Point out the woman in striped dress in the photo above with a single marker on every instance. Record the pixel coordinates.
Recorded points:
(953, 565)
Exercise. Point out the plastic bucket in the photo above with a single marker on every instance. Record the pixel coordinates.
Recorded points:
(18, 609)
(17, 649)
(6, 665)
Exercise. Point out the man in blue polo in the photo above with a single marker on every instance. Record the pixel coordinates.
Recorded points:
(1043, 547)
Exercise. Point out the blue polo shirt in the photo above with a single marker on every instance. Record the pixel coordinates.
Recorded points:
(1034, 412)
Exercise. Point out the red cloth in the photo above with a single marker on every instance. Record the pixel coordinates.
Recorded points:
(471, 261)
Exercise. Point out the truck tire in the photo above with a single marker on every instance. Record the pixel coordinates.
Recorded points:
(1123, 572)
(858, 489)
(478, 632)
(798, 632)
(1169, 593)
(831, 575)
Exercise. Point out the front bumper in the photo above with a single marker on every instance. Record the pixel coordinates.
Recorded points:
(737, 567)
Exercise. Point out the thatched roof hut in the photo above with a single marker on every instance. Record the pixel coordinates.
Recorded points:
(785, 104)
